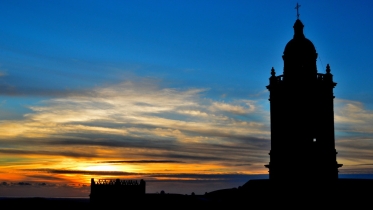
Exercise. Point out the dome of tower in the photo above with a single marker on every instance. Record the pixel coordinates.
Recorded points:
(299, 45)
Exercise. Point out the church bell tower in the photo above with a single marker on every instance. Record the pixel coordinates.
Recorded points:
(302, 116)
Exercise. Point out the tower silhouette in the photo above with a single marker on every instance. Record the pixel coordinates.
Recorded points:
(302, 116)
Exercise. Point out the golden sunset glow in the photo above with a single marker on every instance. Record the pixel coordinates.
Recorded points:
(57, 143)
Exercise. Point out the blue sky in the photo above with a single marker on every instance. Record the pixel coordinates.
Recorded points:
(178, 82)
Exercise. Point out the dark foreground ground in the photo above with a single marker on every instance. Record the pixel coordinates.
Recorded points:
(187, 202)
(44, 203)
(343, 194)
(151, 201)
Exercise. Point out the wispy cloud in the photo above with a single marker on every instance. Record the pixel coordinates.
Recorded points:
(140, 126)
(352, 116)
(246, 108)
(144, 128)
(354, 135)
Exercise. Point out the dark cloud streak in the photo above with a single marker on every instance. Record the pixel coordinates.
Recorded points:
(141, 161)
(209, 176)
(52, 153)
(156, 149)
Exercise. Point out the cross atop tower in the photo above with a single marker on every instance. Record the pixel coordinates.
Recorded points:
(297, 7)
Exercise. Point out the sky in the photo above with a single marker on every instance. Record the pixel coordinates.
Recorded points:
(173, 92)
